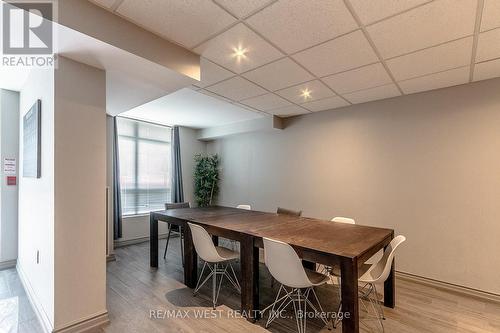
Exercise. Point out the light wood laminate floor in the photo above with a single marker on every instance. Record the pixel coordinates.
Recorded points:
(134, 291)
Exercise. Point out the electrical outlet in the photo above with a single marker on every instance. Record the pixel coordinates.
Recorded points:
(37, 256)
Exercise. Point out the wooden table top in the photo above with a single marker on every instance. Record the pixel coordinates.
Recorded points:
(345, 240)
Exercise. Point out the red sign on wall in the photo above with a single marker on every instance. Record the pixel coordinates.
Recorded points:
(11, 180)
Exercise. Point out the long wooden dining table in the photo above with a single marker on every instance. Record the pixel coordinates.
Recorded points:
(315, 241)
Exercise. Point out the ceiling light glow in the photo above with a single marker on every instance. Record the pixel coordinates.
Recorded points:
(306, 93)
(239, 52)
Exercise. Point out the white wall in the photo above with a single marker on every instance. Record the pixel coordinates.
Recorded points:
(36, 200)
(9, 148)
(426, 165)
(80, 192)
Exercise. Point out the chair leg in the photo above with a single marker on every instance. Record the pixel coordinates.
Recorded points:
(337, 319)
(198, 286)
(379, 305)
(214, 286)
(319, 306)
(168, 239)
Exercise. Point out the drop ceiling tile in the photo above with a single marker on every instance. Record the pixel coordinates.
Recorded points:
(288, 111)
(434, 23)
(246, 107)
(212, 73)
(221, 49)
(487, 70)
(186, 22)
(358, 79)
(325, 104)
(294, 25)
(491, 15)
(435, 59)
(340, 54)
(317, 90)
(279, 74)
(211, 94)
(241, 8)
(104, 3)
(266, 102)
(373, 10)
(435, 81)
(488, 45)
(236, 89)
(373, 94)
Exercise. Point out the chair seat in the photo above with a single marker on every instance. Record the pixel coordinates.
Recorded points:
(316, 278)
(227, 254)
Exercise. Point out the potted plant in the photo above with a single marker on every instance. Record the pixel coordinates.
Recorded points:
(206, 176)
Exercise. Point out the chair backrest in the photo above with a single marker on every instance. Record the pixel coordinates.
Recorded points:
(346, 220)
(381, 270)
(177, 205)
(284, 264)
(203, 244)
(285, 211)
(246, 207)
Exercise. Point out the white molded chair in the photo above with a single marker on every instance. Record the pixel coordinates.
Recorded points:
(378, 273)
(217, 259)
(286, 267)
(346, 220)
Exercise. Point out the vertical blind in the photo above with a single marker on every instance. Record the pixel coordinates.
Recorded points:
(145, 166)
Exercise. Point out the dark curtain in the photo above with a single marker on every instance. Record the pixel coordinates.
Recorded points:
(177, 192)
(117, 197)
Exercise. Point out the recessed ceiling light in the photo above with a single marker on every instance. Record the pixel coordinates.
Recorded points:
(239, 52)
(306, 93)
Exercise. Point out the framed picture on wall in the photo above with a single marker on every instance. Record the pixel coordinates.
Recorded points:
(32, 137)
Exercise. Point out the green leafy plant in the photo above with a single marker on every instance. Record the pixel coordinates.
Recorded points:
(206, 177)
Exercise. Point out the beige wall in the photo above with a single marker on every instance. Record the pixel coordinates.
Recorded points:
(80, 192)
(190, 146)
(427, 165)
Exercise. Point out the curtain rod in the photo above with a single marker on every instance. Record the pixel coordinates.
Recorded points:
(144, 121)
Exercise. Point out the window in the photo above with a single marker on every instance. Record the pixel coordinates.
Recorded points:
(145, 166)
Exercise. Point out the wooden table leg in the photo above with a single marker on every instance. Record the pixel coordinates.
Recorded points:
(153, 241)
(249, 258)
(390, 289)
(190, 260)
(350, 305)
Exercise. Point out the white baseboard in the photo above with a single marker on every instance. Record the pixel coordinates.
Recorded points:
(449, 287)
(42, 316)
(8, 264)
(110, 257)
(86, 324)
(132, 241)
